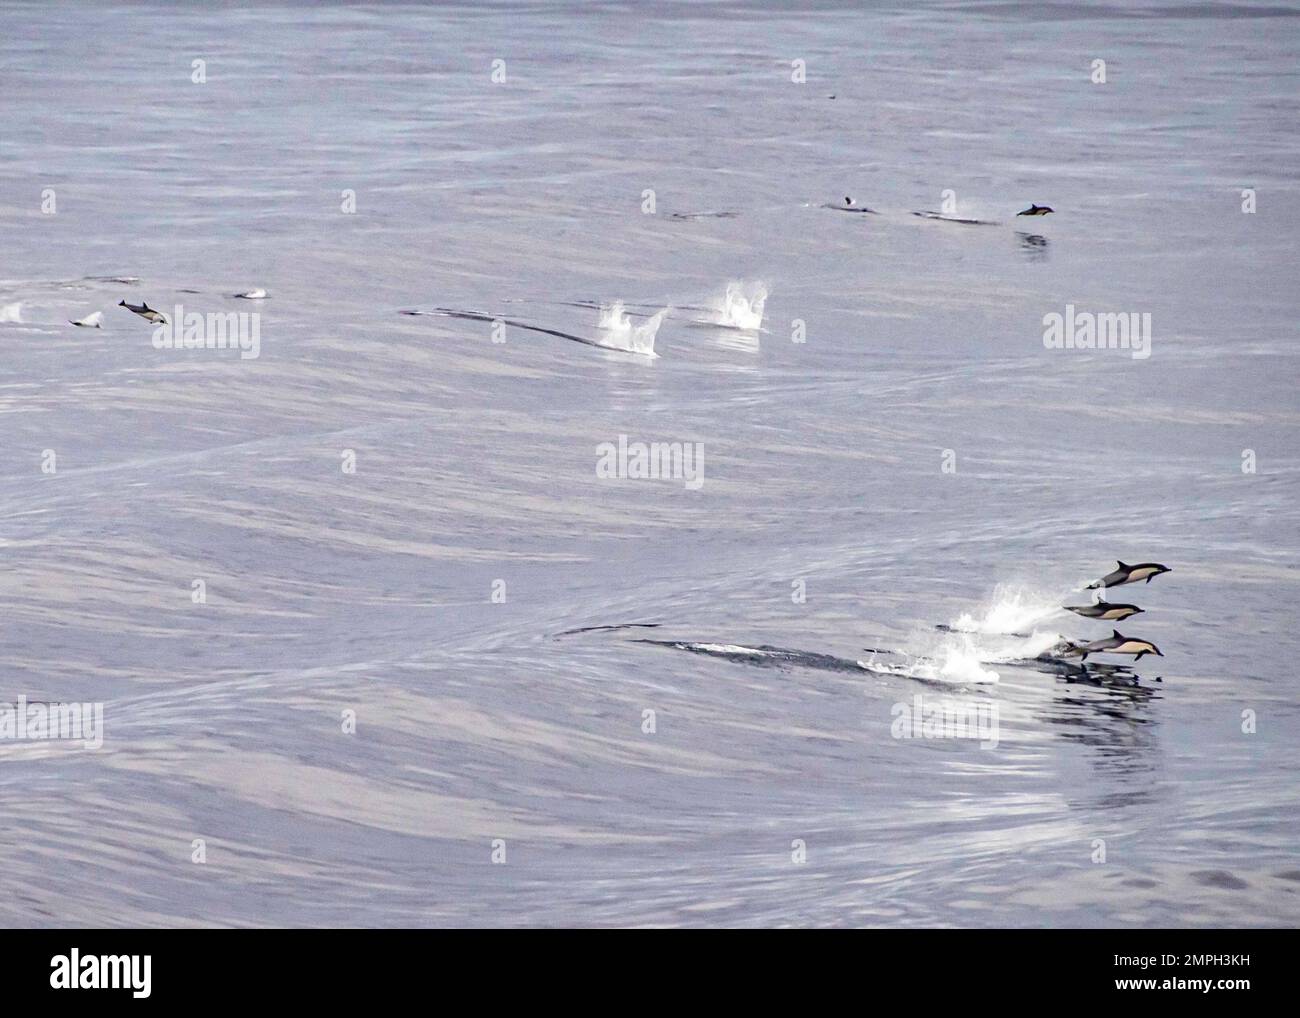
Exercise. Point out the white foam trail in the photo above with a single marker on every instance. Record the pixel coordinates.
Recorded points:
(1011, 649)
(962, 664)
(1002, 631)
(620, 333)
(729, 648)
(257, 293)
(91, 321)
(952, 664)
(742, 305)
(12, 313)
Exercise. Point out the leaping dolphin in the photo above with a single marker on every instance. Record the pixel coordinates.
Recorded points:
(144, 311)
(1036, 210)
(1117, 644)
(1129, 574)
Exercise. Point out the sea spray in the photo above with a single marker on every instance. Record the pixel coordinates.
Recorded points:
(1002, 631)
(620, 333)
(950, 658)
(1010, 610)
(742, 305)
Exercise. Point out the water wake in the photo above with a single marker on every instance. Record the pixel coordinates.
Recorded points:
(476, 316)
(951, 669)
(951, 660)
(946, 218)
(12, 314)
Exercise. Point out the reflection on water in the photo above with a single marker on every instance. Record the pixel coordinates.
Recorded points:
(1033, 246)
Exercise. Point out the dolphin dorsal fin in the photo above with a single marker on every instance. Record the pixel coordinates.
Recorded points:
(1115, 633)
(1123, 565)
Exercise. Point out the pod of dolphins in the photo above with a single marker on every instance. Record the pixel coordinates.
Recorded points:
(1113, 612)
(156, 317)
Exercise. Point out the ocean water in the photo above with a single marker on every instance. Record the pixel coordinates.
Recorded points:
(399, 520)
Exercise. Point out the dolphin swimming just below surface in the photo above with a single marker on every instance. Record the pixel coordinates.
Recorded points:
(1129, 574)
(849, 206)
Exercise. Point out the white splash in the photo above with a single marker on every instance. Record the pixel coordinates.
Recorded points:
(12, 313)
(257, 293)
(1010, 610)
(954, 659)
(742, 305)
(619, 332)
(962, 664)
(1010, 649)
(91, 321)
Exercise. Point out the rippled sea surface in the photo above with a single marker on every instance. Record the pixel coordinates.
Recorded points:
(920, 455)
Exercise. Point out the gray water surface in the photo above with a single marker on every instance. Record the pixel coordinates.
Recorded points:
(372, 592)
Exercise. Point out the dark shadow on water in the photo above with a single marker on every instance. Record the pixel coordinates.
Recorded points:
(941, 218)
(475, 316)
(610, 629)
(1033, 246)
